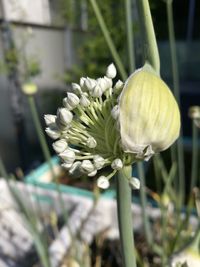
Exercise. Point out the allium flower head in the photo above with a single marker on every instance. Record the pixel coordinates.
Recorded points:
(95, 126)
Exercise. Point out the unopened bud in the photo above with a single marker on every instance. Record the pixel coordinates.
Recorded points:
(134, 183)
(64, 116)
(98, 162)
(93, 173)
(149, 115)
(91, 142)
(117, 164)
(75, 168)
(73, 99)
(103, 182)
(87, 166)
(194, 112)
(111, 71)
(67, 165)
(119, 85)
(82, 82)
(68, 156)
(97, 91)
(90, 84)
(108, 81)
(66, 104)
(103, 84)
(76, 88)
(53, 133)
(84, 101)
(115, 112)
(60, 145)
(50, 119)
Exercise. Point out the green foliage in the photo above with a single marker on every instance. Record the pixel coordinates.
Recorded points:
(33, 68)
(94, 54)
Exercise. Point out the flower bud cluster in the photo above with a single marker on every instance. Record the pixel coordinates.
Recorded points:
(103, 124)
(85, 128)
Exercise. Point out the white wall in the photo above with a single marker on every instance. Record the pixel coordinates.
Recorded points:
(48, 45)
(29, 11)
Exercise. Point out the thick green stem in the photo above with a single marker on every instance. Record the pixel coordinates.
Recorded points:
(172, 42)
(143, 198)
(129, 30)
(149, 43)
(194, 156)
(181, 167)
(108, 39)
(40, 133)
(125, 217)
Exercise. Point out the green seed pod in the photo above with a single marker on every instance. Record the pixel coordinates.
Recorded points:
(149, 116)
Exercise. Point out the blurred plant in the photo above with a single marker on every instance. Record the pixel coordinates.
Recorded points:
(93, 54)
(28, 66)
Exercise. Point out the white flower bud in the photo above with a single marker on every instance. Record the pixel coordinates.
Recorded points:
(93, 173)
(103, 182)
(76, 88)
(66, 165)
(82, 82)
(62, 127)
(84, 101)
(49, 119)
(87, 166)
(117, 164)
(75, 168)
(53, 133)
(90, 84)
(115, 112)
(134, 183)
(64, 116)
(98, 162)
(103, 83)
(91, 142)
(73, 99)
(60, 145)
(119, 85)
(111, 71)
(97, 91)
(68, 156)
(66, 104)
(108, 81)
(194, 112)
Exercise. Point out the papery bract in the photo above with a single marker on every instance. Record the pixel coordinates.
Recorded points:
(149, 116)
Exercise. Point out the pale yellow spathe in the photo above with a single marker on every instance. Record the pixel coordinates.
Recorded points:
(149, 116)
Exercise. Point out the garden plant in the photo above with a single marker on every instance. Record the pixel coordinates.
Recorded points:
(107, 127)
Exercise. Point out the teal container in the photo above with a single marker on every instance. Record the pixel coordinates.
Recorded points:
(36, 178)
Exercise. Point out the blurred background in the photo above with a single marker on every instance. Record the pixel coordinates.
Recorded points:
(58, 41)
